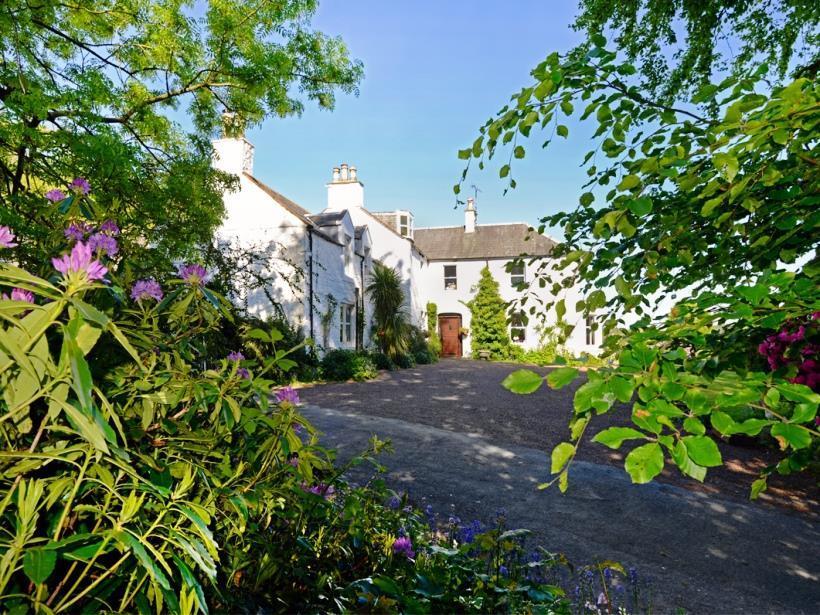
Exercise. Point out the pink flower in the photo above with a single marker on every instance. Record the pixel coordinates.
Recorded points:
(6, 237)
(146, 289)
(55, 196)
(80, 185)
(19, 294)
(80, 263)
(193, 274)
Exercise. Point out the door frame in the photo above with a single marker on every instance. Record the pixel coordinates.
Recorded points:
(441, 335)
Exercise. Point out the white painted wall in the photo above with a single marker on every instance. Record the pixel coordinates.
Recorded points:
(468, 273)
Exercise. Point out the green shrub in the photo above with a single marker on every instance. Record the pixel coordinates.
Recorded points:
(405, 361)
(489, 319)
(382, 361)
(424, 357)
(344, 364)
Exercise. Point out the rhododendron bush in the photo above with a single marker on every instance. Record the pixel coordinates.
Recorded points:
(142, 473)
(695, 246)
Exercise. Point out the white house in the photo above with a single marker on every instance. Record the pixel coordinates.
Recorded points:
(321, 262)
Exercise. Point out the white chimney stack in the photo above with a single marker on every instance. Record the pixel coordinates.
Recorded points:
(345, 191)
(470, 216)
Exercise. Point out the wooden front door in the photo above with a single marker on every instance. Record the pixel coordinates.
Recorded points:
(449, 325)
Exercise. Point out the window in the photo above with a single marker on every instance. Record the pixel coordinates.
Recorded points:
(404, 225)
(348, 250)
(590, 331)
(517, 274)
(518, 327)
(450, 281)
(346, 323)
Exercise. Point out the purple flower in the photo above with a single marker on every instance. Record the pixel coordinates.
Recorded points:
(19, 294)
(55, 196)
(243, 373)
(80, 262)
(146, 289)
(80, 185)
(294, 460)
(6, 237)
(394, 503)
(195, 275)
(236, 356)
(404, 546)
(109, 227)
(77, 231)
(101, 243)
(503, 571)
(296, 427)
(287, 395)
(326, 491)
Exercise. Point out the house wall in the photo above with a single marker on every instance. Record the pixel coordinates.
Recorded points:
(468, 272)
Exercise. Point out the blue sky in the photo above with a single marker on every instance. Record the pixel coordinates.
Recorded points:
(434, 72)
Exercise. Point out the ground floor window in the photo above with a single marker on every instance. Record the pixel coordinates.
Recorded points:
(518, 327)
(590, 331)
(346, 323)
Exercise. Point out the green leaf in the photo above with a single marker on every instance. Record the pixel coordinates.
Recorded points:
(703, 450)
(38, 564)
(562, 131)
(622, 388)
(797, 436)
(758, 487)
(561, 454)
(694, 426)
(629, 182)
(156, 573)
(562, 376)
(681, 458)
(523, 382)
(640, 207)
(518, 152)
(644, 463)
(613, 437)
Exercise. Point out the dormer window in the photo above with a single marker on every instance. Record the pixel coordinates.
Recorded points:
(404, 225)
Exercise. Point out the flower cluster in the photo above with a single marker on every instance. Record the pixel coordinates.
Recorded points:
(404, 546)
(794, 346)
(321, 489)
(287, 395)
(19, 294)
(80, 265)
(79, 185)
(6, 237)
(193, 274)
(77, 231)
(146, 289)
(56, 195)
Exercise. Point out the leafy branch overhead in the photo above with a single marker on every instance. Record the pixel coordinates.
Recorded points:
(129, 94)
(694, 241)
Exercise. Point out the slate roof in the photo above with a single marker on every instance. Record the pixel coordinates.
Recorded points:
(330, 218)
(297, 210)
(488, 241)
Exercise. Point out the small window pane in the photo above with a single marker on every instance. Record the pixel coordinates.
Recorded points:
(404, 225)
(346, 323)
(518, 327)
(518, 274)
(590, 331)
(450, 280)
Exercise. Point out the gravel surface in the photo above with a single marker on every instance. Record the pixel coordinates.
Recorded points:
(466, 397)
(703, 553)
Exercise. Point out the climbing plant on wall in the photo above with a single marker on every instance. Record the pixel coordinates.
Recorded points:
(488, 320)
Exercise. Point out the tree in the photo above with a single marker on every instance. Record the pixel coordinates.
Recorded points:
(128, 93)
(681, 46)
(717, 214)
(488, 320)
(389, 316)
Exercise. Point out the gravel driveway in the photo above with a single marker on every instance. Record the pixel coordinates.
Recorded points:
(467, 446)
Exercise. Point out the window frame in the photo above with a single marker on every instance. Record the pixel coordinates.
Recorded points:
(404, 227)
(453, 278)
(517, 324)
(514, 275)
(346, 317)
(590, 331)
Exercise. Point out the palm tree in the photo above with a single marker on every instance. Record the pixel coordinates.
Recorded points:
(389, 316)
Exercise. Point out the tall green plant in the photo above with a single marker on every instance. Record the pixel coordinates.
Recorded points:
(488, 319)
(390, 319)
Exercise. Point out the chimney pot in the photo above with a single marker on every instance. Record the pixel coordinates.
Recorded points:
(335, 174)
(344, 172)
(352, 173)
